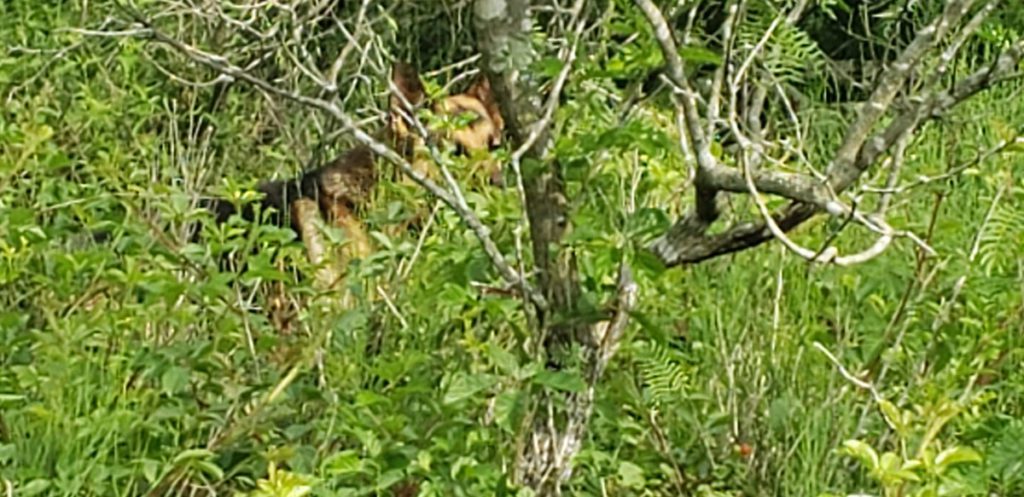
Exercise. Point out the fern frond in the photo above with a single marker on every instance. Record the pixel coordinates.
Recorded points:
(791, 55)
(663, 373)
(1002, 244)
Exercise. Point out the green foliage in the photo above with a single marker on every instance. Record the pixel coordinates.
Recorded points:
(1006, 230)
(280, 483)
(789, 54)
(139, 363)
(663, 376)
(927, 470)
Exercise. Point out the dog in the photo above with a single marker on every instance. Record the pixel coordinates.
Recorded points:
(336, 193)
(483, 132)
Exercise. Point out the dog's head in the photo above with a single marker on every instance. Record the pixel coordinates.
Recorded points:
(349, 178)
(484, 124)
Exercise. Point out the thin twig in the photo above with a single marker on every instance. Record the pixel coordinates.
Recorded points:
(391, 307)
(866, 385)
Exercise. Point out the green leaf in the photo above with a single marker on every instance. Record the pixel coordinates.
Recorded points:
(503, 359)
(508, 409)
(424, 460)
(174, 380)
(149, 469)
(560, 380)
(299, 491)
(34, 487)
(210, 469)
(11, 397)
(956, 455)
(631, 475)
(911, 465)
(369, 398)
(892, 415)
(701, 55)
(862, 452)
(344, 462)
(464, 386)
(192, 454)
(889, 462)
(390, 478)
(548, 66)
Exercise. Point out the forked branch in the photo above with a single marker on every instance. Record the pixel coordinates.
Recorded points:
(811, 193)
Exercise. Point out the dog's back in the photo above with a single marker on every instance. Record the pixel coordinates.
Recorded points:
(342, 186)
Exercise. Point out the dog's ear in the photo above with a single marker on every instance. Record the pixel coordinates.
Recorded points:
(481, 90)
(409, 85)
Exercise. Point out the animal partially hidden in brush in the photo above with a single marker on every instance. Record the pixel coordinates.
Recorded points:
(334, 194)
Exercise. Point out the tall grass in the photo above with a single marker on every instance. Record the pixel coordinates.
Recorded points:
(136, 364)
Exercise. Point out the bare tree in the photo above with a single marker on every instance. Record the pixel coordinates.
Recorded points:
(916, 86)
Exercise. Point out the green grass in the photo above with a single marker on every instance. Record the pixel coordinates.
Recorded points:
(135, 365)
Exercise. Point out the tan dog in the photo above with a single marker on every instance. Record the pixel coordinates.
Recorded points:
(477, 103)
(335, 194)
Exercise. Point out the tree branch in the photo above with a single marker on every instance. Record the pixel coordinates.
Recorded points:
(845, 168)
(707, 193)
(686, 241)
(937, 104)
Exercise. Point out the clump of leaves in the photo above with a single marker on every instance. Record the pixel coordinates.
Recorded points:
(281, 483)
(928, 471)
